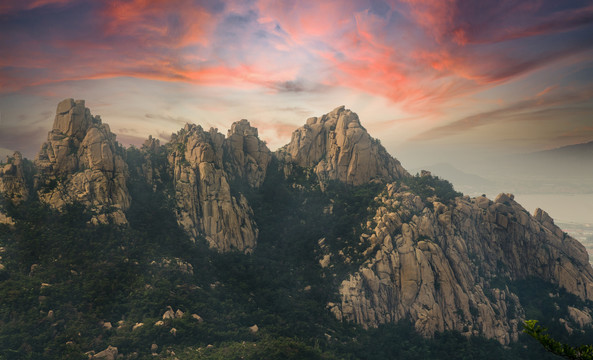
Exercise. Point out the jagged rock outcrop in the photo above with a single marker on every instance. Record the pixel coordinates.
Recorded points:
(13, 186)
(82, 162)
(12, 179)
(248, 156)
(435, 264)
(205, 204)
(339, 148)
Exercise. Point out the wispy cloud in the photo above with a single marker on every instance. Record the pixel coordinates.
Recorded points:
(421, 57)
(527, 109)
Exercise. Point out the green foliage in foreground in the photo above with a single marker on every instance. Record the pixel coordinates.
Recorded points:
(583, 352)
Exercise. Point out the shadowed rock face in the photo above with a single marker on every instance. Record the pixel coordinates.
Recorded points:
(339, 148)
(13, 187)
(435, 266)
(82, 162)
(12, 179)
(204, 164)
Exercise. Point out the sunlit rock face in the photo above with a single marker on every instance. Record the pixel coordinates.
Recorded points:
(339, 148)
(204, 164)
(438, 265)
(82, 162)
(247, 156)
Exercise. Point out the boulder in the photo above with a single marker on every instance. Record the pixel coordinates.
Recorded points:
(169, 314)
(108, 354)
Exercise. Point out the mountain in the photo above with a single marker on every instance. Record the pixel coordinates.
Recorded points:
(212, 246)
(565, 170)
(582, 152)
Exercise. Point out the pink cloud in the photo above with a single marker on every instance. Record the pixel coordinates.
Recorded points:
(12, 6)
(418, 53)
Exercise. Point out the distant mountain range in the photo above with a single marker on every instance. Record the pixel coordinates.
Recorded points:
(564, 170)
(583, 151)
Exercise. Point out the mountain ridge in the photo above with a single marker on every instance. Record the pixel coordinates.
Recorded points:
(415, 249)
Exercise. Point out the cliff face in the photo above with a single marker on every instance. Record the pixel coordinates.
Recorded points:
(436, 265)
(248, 156)
(203, 165)
(81, 161)
(438, 260)
(339, 148)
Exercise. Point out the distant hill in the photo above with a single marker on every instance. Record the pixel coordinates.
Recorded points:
(568, 169)
(582, 151)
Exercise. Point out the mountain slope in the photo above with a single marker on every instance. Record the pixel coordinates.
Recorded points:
(316, 244)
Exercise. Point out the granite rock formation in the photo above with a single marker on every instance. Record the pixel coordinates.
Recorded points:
(248, 156)
(436, 263)
(339, 148)
(205, 204)
(82, 162)
(440, 263)
(13, 186)
(12, 179)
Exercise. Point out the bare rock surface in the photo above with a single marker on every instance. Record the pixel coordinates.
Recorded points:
(13, 186)
(248, 155)
(436, 265)
(339, 148)
(12, 179)
(205, 205)
(82, 162)
(108, 354)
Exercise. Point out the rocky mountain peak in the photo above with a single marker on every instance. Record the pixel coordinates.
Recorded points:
(205, 205)
(339, 148)
(243, 128)
(339, 117)
(249, 156)
(82, 162)
(73, 118)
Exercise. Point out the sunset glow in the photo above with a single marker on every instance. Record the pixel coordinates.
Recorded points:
(420, 73)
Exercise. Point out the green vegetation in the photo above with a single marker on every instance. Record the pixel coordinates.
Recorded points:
(431, 186)
(582, 352)
(65, 279)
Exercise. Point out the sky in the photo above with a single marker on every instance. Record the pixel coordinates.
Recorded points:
(434, 80)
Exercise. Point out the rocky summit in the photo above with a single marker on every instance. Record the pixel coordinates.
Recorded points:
(201, 178)
(337, 147)
(328, 237)
(82, 162)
